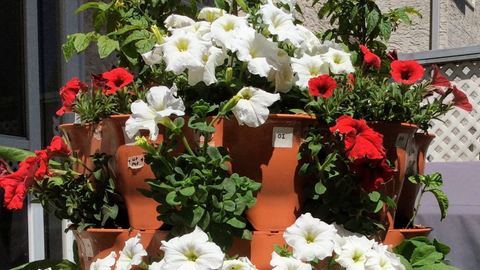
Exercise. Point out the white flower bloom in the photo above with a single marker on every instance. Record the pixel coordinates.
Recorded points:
(258, 51)
(308, 67)
(252, 109)
(383, 261)
(242, 263)
(212, 59)
(281, 24)
(290, 3)
(224, 30)
(156, 265)
(181, 51)
(154, 56)
(131, 254)
(105, 263)
(199, 30)
(310, 238)
(339, 61)
(178, 21)
(283, 77)
(192, 251)
(210, 14)
(161, 103)
(342, 237)
(354, 253)
(311, 46)
(288, 263)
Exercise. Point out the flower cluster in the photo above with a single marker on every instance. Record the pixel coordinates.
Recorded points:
(311, 238)
(33, 168)
(108, 95)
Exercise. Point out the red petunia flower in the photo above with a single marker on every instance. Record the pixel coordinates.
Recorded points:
(16, 185)
(68, 93)
(361, 141)
(438, 82)
(392, 56)
(117, 78)
(372, 173)
(370, 58)
(406, 72)
(98, 82)
(43, 169)
(58, 148)
(322, 86)
(460, 100)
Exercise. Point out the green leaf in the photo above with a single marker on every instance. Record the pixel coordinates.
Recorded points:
(145, 45)
(320, 188)
(81, 42)
(229, 206)
(106, 46)
(442, 201)
(86, 6)
(69, 47)
(136, 35)
(54, 264)
(237, 222)
(385, 29)
(441, 247)
(99, 18)
(14, 154)
(434, 180)
(188, 191)
(170, 199)
(425, 255)
(128, 28)
(372, 20)
(403, 16)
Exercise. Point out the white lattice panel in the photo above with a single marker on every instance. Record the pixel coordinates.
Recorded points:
(458, 136)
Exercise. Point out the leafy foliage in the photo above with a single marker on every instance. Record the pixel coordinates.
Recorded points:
(85, 199)
(420, 253)
(195, 188)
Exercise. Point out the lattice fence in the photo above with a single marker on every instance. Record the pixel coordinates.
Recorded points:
(458, 136)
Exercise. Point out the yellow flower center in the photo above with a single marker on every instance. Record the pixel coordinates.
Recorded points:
(337, 59)
(191, 256)
(182, 44)
(229, 26)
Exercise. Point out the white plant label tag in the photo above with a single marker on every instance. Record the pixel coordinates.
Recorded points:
(282, 137)
(97, 133)
(136, 162)
(88, 247)
(402, 140)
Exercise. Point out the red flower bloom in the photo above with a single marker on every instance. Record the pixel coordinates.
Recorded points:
(58, 147)
(372, 173)
(16, 185)
(360, 140)
(392, 56)
(68, 93)
(43, 169)
(322, 86)
(370, 58)
(117, 78)
(98, 82)
(406, 72)
(460, 100)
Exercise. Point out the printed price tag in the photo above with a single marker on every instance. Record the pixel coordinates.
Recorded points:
(136, 162)
(282, 137)
(88, 248)
(402, 140)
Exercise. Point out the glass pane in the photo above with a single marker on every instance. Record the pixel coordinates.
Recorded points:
(12, 103)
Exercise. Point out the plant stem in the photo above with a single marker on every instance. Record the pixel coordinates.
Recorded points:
(410, 222)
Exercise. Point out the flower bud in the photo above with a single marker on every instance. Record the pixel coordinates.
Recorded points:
(157, 34)
(144, 144)
(231, 104)
(229, 74)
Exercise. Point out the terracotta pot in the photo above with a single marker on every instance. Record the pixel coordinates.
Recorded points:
(396, 236)
(398, 142)
(96, 244)
(268, 154)
(260, 249)
(406, 202)
(85, 141)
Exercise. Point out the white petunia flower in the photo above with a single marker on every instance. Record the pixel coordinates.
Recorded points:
(281, 24)
(342, 237)
(258, 51)
(310, 238)
(161, 103)
(383, 261)
(354, 252)
(252, 108)
(338, 61)
(156, 265)
(242, 263)
(210, 14)
(154, 56)
(287, 263)
(224, 30)
(199, 30)
(105, 263)
(182, 51)
(311, 46)
(192, 251)
(212, 59)
(283, 77)
(308, 67)
(178, 21)
(131, 254)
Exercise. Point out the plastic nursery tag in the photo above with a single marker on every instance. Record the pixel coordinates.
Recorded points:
(282, 137)
(402, 140)
(136, 162)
